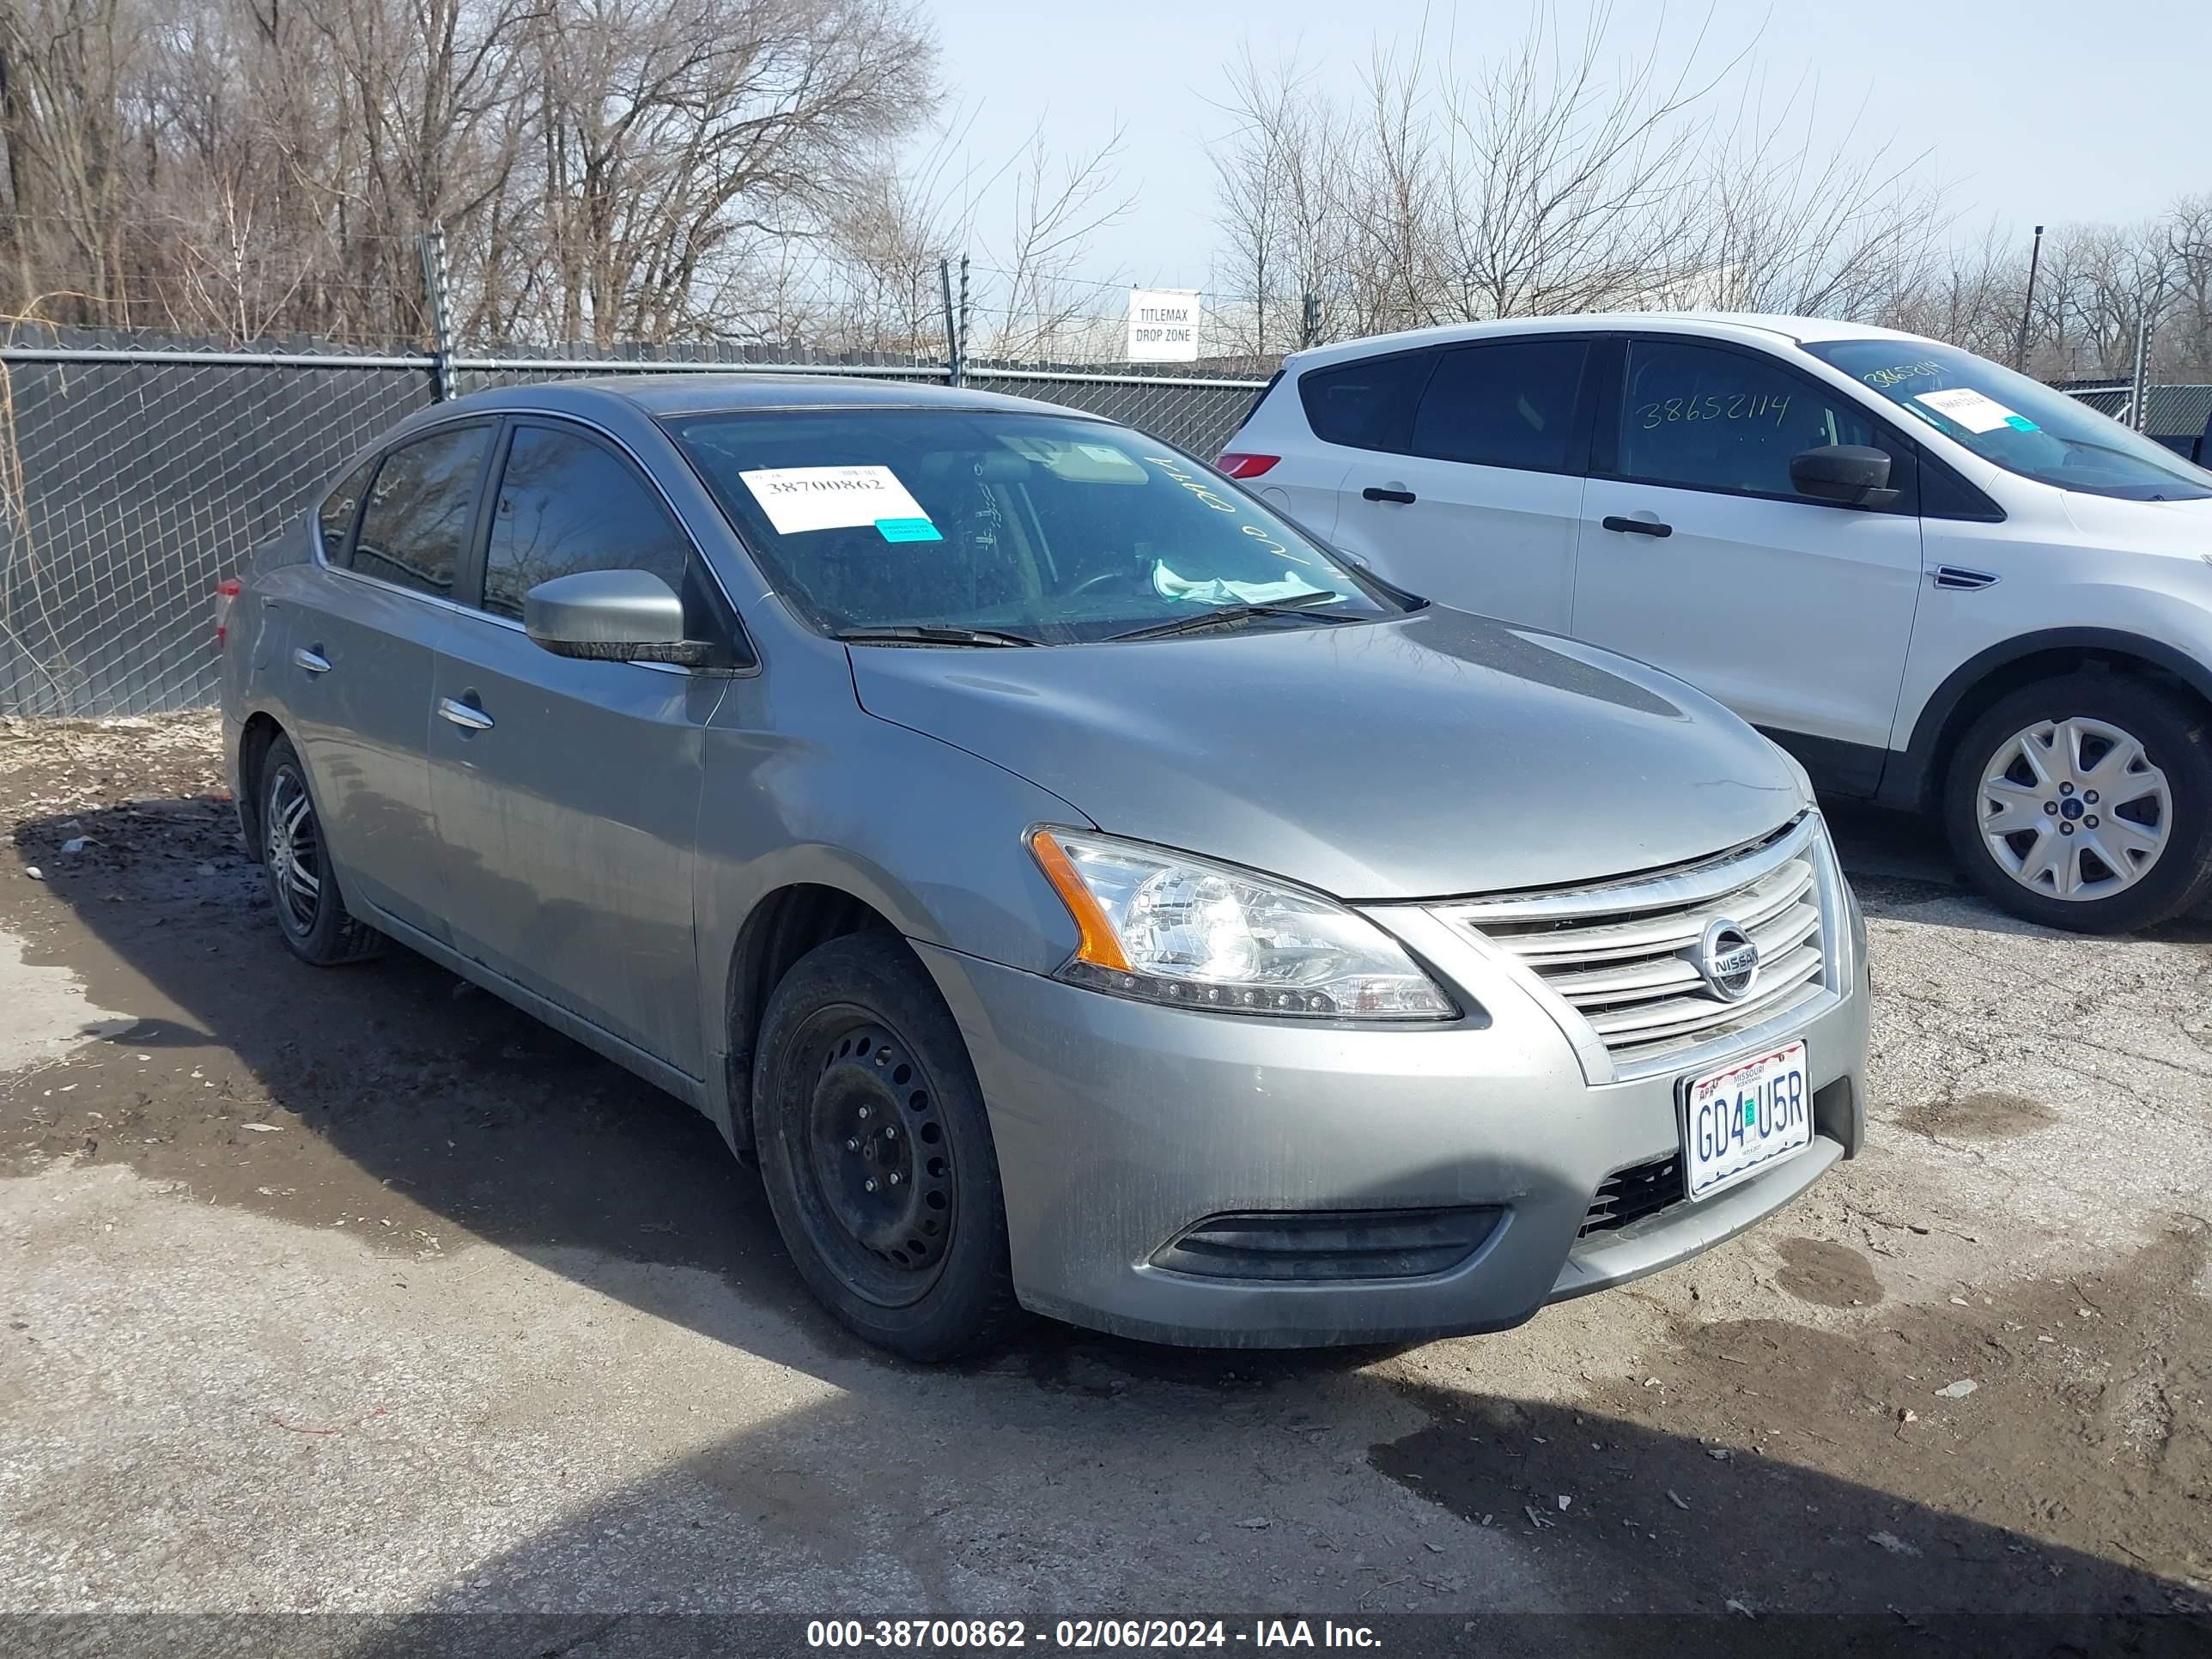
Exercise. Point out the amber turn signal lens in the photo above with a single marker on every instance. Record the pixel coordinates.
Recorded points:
(1096, 943)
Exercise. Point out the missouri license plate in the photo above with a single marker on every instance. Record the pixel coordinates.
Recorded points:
(1739, 1122)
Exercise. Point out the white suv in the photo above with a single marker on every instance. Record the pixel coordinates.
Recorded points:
(1940, 584)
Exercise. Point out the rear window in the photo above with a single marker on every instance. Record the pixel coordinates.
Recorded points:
(1508, 404)
(334, 518)
(1367, 403)
(420, 508)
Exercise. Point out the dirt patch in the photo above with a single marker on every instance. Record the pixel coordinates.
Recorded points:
(1827, 1274)
(1821, 1470)
(1985, 1116)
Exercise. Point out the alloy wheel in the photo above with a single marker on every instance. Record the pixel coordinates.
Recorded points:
(2074, 810)
(294, 851)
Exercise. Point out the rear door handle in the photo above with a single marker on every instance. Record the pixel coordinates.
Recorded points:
(313, 661)
(465, 715)
(1638, 526)
(1376, 493)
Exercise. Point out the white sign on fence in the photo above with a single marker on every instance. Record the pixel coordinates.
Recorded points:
(1162, 325)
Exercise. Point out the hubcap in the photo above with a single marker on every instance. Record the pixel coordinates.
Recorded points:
(295, 852)
(2074, 810)
(880, 1161)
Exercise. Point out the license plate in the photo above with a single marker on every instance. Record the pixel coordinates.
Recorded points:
(1737, 1122)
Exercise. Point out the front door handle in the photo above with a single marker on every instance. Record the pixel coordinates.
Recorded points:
(314, 662)
(1638, 526)
(467, 716)
(1379, 493)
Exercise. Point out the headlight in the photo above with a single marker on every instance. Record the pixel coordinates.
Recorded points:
(1168, 927)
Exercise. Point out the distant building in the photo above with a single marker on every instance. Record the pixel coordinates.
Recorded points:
(2179, 417)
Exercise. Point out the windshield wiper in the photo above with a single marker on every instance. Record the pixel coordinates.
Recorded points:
(1229, 616)
(932, 634)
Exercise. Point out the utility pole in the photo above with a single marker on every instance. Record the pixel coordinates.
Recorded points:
(1309, 326)
(2027, 305)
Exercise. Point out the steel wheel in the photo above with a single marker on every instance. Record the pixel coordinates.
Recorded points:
(2074, 810)
(877, 1171)
(294, 852)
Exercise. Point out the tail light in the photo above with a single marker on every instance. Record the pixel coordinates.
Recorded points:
(1238, 464)
(226, 601)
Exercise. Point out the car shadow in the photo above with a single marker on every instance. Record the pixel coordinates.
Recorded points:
(1068, 1473)
(1538, 1528)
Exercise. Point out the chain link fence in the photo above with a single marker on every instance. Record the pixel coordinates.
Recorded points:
(138, 471)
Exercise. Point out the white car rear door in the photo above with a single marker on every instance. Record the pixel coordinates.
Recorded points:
(1475, 503)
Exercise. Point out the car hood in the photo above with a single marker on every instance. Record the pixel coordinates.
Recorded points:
(2182, 527)
(1431, 755)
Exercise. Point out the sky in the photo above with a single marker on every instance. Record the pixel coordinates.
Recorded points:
(2029, 114)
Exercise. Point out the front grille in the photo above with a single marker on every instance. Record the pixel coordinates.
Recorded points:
(1633, 1194)
(1624, 955)
(1325, 1245)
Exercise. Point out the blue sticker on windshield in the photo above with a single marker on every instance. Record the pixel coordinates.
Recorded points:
(908, 530)
(2021, 424)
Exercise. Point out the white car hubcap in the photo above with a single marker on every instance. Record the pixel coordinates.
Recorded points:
(2074, 810)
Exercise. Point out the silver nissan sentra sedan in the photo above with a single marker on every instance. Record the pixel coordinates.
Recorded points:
(1077, 888)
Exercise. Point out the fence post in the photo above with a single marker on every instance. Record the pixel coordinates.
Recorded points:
(963, 319)
(441, 329)
(2139, 381)
(952, 332)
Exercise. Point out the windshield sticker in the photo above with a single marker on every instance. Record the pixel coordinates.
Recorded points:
(908, 530)
(798, 499)
(1973, 411)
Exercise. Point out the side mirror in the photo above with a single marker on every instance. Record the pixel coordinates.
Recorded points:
(1850, 474)
(612, 616)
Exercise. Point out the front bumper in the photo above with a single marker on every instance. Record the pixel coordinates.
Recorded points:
(1120, 1125)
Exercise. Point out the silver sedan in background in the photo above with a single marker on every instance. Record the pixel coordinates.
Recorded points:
(1078, 888)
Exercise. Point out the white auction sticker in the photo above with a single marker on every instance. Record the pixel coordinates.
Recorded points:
(1971, 410)
(802, 498)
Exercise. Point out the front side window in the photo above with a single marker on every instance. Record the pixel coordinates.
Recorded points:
(1508, 404)
(1362, 403)
(2019, 424)
(1045, 529)
(334, 518)
(566, 504)
(1704, 417)
(420, 508)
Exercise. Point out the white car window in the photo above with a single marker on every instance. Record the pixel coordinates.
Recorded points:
(1705, 417)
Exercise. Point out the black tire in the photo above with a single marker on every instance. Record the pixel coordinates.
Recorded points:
(2172, 730)
(859, 1076)
(303, 885)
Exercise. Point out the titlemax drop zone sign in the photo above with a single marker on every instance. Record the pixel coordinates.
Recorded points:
(1162, 325)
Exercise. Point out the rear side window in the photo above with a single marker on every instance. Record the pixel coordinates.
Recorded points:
(567, 504)
(419, 511)
(1508, 404)
(334, 518)
(1364, 404)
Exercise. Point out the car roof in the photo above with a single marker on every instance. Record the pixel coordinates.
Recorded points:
(1757, 328)
(707, 391)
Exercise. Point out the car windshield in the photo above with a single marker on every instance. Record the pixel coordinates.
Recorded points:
(966, 526)
(2020, 424)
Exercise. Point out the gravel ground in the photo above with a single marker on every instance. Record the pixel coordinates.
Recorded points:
(359, 1293)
